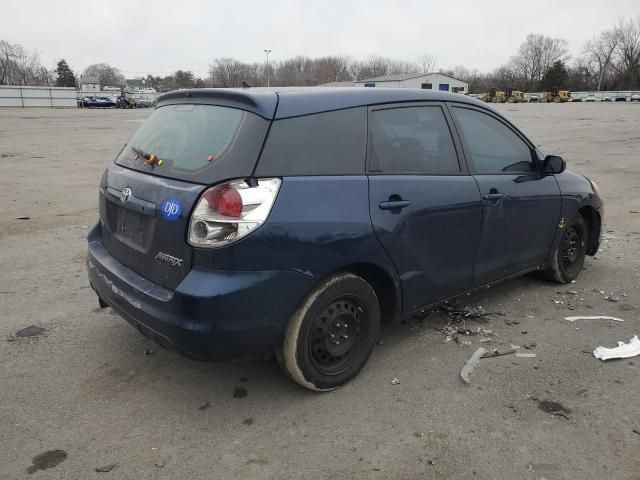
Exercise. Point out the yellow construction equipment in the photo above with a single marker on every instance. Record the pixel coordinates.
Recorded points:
(488, 96)
(556, 95)
(509, 95)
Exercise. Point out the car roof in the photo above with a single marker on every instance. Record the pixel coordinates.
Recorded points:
(285, 102)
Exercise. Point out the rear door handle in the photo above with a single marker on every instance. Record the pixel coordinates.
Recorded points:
(394, 205)
(493, 197)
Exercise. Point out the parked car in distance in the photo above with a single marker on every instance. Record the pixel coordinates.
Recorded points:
(533, 99)
(97, 102)
(620, 98)
(589, 98)
(635, 97)
(143, 102)
(606, 98)
(253, 223)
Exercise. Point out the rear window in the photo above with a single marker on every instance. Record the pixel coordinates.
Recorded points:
(329, 143)
(199, 143)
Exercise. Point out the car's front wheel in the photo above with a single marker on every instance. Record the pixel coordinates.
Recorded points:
(330, 337)
(568, 257)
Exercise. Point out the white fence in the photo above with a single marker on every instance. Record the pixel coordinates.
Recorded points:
(611, 95)
(51, 97)
(56, 97)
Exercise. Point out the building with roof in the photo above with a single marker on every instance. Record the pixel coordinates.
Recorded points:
(426, 81)
(89, 84)
(134, 84)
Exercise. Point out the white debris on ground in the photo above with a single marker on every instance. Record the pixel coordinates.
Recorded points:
(471, 364)
(593, 317)
(525, 355)
(623, 350)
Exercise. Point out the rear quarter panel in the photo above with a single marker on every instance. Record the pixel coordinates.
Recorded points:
(318, 225)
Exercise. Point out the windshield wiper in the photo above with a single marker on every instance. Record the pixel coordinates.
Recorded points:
(150, 158)
(141, 152)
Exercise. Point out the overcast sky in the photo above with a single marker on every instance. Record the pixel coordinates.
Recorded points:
(162, 36)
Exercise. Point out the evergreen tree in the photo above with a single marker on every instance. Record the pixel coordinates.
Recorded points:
(556, 76)
(66, 78)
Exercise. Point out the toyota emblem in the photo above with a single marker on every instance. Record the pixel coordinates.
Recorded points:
(125, 195)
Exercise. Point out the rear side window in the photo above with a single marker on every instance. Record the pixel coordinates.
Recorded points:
(329, 143)
(494, 147)
(413, 140)
(200, 143)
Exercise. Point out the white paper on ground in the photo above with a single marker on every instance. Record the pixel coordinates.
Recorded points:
(623, 350)
(471, 364)
(593, 317)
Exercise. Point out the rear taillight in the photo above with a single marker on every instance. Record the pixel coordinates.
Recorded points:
(230, 211)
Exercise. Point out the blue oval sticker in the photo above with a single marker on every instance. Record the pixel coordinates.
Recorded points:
(171, 209)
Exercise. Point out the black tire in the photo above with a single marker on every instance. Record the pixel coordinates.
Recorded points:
(330, 337)
(568, 257)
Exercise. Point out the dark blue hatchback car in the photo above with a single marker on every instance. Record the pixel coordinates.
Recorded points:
(252, 223)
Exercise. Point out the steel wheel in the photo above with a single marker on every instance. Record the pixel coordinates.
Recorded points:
(332, 333)
(335, 338)
(568, 256)
(571, 246)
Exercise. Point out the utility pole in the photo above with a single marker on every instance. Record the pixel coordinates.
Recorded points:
(267, 52)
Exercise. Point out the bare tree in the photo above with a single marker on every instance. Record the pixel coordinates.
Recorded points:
(330, 69)
(8, 57)
(598, 53)
(627, 53)
(536, 56)
(229, 72)
(105, 73)
(29, 68)
(397, 66)
(426, 63)
(374, 66)
(19, 66)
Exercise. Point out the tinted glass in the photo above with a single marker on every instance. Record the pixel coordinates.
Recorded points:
(197, 142)
(412, 140)
(330, 143)
(494, 147)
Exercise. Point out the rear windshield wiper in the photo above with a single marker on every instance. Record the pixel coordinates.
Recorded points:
(150, 158)
(141, 152)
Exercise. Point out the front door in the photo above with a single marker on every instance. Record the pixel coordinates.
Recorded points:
(426, 210)
(520, 207)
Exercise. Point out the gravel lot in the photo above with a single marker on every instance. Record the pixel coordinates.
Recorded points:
(92, 387)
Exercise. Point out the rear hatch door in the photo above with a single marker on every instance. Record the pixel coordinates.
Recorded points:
(147, 195)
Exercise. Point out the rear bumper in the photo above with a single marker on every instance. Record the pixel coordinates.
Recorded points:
(213, 315)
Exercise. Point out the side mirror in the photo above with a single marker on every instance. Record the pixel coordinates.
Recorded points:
(554, 164)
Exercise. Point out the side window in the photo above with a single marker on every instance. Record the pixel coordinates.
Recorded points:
(412, 140)
(329, 143)
(494, 148)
